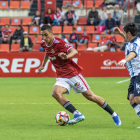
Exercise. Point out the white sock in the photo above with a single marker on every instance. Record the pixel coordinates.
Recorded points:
(76, 112)
(137, 109)
(114, 114)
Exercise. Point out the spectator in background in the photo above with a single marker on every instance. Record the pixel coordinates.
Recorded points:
(117, 16)
(59, 17)
(71, 17)
(49, 17)
(36, 19)
(110, 3)
(103, 44)
(125, 6)
(103, 16)
(26, 43)
(109, 24)
(84, 37)
(63, 38)
(120, 2)
(74, 37)
(112, 43)
(0, 35)
(137, 3)
(93, 18)
(6, 34)
(18, 34)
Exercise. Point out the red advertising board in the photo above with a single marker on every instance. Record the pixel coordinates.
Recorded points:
(95, 64)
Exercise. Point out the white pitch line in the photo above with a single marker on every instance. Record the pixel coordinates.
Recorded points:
(53, 103)
(123, 81)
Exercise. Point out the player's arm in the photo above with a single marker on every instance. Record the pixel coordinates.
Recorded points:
(72, 52)
(43, 64)
(129, 57)
(117, 30)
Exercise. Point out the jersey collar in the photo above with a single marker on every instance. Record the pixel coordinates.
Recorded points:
(133, 40)
(51, 44)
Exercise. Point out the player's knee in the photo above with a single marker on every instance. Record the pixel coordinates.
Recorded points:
(131, 102)
(56, 94)
(137, 100)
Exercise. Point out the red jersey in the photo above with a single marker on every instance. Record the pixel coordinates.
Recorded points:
(64, 68)
(83, 36)
(7, 34)
(103, 41)
(50, 15)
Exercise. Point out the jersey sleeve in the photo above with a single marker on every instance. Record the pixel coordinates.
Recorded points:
(135, 48)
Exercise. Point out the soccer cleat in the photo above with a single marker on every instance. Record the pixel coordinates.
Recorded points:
(117, 120)
(77, 118)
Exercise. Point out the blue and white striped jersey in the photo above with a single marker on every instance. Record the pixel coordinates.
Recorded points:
(133, 65)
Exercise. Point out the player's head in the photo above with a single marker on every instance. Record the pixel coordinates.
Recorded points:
(6, 27)
(46, 32)
(103, 34)
(130, 31)
(74, 30)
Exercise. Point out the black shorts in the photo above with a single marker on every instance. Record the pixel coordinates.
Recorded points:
(134, 87)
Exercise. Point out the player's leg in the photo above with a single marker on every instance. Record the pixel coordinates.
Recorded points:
(82, 86)
(58, 92)
(102, 103)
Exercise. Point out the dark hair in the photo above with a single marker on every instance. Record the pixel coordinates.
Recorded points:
(46, 27)
(131, 27)
(21, 29)
(74, 28)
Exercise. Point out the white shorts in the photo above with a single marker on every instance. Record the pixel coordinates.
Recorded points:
(78, 83)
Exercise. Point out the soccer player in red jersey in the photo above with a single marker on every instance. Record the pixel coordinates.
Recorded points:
(69, 75)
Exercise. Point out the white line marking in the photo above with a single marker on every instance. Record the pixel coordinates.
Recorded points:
(123, 81)
(53, 103)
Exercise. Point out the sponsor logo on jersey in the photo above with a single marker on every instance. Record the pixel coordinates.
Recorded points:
(77, 84)
(52, 58)
(108, 64)
(138, 87)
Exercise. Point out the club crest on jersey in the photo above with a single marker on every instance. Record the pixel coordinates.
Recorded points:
(52, 51)
(77, 84)
(134, 46)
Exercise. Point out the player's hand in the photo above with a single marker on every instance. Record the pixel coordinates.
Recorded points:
(63, 55)
(117, 30)
(121, 63)
(40, 69)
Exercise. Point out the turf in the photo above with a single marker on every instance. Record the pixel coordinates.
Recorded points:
(27, 111)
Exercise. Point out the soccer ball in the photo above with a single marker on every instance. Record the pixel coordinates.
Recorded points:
(62, 118)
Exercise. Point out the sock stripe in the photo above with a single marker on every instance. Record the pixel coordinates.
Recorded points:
(104, 105)
(66, 104)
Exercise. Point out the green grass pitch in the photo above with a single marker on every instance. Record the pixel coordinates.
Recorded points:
(27, 111)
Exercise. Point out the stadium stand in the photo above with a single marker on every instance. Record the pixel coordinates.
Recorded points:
(4, 21)
(26, 21)
(16, 21)
(17, 12)
(15, 47)
(4, 47)
(36, 47)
